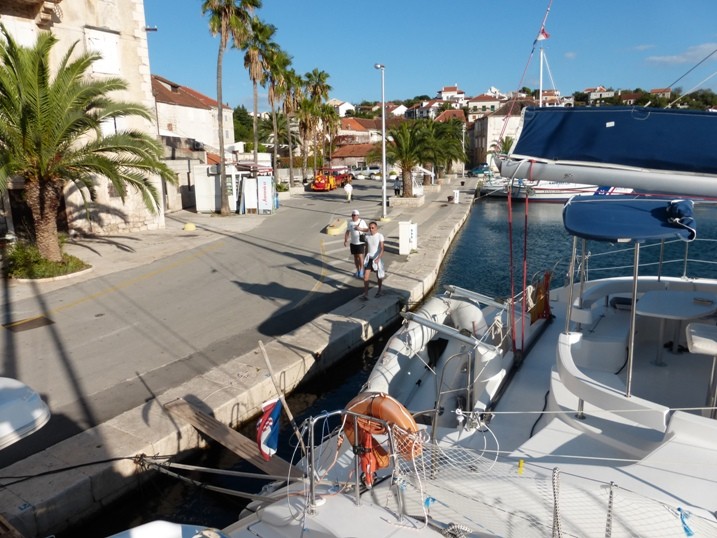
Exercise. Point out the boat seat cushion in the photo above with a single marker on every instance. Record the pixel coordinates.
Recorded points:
(702, 338)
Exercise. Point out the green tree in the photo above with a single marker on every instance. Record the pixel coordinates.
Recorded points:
(317, 89)
(242, 124)
(306, 115)
(258, 48)
(404, 145)
(278, 63)
(228, 19)
(441, 143)
(51, 133)
(294, 95)
(330, 123)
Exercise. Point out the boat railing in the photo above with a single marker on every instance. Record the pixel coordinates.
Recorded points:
(384, 427)
(666, 258)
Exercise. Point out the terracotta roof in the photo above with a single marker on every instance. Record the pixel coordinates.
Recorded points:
(451, 114)
(352, 124)
(483, 97)
(370, 124)
(166, 91)
(661, 90)
(213, 158)
(516, 104)
(352, 150)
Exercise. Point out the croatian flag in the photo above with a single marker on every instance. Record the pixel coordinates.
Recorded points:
(267, 428)
(542, 35)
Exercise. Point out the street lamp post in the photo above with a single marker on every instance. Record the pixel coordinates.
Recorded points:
(382, 68)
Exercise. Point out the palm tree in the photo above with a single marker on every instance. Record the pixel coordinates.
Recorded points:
(294, 95)
(232, 20)
(276, 131)
(278, 63)
(441, 143)
(306, 116)
(404, 146)
(330, 123)
(51, 121)
(317, 85)
(317, 90)
(258, 48)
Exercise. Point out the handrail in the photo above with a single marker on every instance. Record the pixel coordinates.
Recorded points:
(351, 415)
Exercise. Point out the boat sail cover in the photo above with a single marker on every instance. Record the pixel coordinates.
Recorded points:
(621, 218)
(660, 150)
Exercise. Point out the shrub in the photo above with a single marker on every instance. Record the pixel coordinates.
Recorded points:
(23, 260)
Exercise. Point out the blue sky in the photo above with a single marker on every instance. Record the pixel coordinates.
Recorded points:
(475, 44)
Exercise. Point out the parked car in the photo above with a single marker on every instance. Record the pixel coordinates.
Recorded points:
(370, 172)
(480, 170)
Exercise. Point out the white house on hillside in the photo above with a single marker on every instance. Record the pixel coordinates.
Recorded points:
(454, 95)
(482, 104)
(341, 107)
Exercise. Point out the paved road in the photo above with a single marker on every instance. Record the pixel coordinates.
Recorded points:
(106, 343)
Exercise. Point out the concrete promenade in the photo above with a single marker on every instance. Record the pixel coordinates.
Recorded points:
(64, 489)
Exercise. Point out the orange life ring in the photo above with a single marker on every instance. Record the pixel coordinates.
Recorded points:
(381, 406)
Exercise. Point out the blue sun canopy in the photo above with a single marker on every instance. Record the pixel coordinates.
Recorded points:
(629, 218)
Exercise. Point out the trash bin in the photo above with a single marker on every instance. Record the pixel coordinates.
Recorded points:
(456, 194)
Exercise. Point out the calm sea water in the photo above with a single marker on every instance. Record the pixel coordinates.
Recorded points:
(480, 259)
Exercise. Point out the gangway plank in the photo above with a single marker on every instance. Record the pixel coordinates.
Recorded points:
(241, 445)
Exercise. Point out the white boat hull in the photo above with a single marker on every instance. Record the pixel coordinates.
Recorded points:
(544, 191)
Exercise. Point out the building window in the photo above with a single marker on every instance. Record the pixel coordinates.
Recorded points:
(107, 45)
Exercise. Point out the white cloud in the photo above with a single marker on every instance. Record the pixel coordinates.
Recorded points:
(691, 55)
(570, 55)
(641, 48)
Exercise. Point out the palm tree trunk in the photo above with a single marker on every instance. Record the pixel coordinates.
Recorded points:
(44, 201)
(291, 149)
(276, 143)
(256, 129)
(222, 164)
(407, 184)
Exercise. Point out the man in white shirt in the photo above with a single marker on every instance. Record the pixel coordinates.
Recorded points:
(355, 228)
(348, 188)
(374, 262)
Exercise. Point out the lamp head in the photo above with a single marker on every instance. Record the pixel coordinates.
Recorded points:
(379, 66)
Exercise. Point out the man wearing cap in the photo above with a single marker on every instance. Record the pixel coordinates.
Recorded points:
(355, 228)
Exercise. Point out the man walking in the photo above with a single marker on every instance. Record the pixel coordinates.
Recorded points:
(348, 188)
(355, 229)
(374, 253)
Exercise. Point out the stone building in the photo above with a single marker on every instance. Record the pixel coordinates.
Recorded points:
(117, 30)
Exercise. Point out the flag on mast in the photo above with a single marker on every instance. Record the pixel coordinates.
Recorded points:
(542, 35)
(267, 428)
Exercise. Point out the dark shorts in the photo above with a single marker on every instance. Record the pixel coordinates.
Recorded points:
(358, 249)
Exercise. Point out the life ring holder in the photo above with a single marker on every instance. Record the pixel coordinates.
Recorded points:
(389, 412)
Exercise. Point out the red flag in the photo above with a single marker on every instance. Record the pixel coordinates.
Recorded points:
(267, 429)
(542, 34)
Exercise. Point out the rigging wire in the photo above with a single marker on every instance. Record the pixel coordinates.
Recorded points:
(693, 68)
(692, 89)
(525, 69)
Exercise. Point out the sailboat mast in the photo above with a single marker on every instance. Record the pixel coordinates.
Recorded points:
(540, 90)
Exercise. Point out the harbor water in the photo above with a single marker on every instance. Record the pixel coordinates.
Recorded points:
(479, 259)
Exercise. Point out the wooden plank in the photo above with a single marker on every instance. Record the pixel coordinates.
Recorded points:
(241, 445)
(7, 530)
